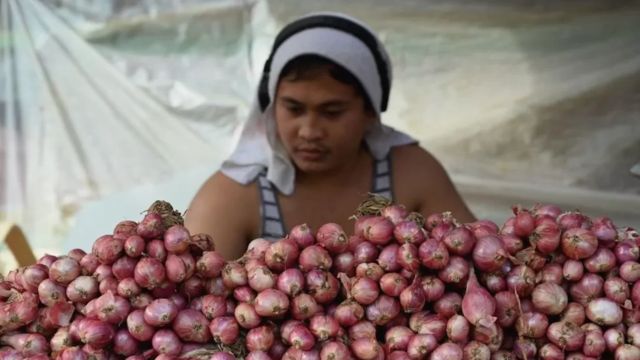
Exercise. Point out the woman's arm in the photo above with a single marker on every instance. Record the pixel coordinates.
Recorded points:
(428, 183)
(225, 210)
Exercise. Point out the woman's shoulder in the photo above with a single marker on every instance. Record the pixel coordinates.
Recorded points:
(414, 170)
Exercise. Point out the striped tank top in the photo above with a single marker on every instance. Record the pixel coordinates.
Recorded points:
(273, 227)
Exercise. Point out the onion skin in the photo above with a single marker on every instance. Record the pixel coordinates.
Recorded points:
(478, 306)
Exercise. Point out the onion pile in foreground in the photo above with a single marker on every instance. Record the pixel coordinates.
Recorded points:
(546, 285)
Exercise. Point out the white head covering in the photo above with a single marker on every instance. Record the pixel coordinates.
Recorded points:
(259, 147)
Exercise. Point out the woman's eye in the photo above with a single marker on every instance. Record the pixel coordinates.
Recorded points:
(332, 113)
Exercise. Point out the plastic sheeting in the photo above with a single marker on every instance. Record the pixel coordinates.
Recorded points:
(521, 101)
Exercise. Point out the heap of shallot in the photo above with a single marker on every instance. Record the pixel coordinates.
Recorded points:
(546, 284)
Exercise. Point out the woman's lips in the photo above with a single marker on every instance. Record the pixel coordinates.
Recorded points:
(310, 154)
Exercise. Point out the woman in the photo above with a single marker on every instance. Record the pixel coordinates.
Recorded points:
(314, 146)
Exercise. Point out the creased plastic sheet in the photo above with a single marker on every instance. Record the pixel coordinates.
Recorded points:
(521, 101)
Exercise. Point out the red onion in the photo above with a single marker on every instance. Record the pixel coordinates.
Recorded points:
(366, 349)
(315, 257)
(395, 213)
(604, 229)
(304, 306)
(388, 258)
(524, 222)
(261, 278)
(137, 327)
(408, 257)
(128, 288)
(234, 275)
(492, 336)
(549, 298)
(281, 255)
(324, 327)
(551, 352)
(155, 249)
(392, 284)
(476, 351)
(532, 325)
(160, 312)
(271, 302)
(613, 338)
(124, 343)
(573, 270)
(64, 270)
(364, 290)
(630, 271)
(433, 254)
(112, 308)
(165, 341)
(551, 273)
(149, 273)
(322, 285)
(627, 352)
(432, 287)
(302, 235)
(635, 294)
(60, 340)
(594, 344)
(448, 305)
(489, 254)
(459, 241)
(365, 252)
(436, 219)
(224, 329)
(441, 230)
(301, 338)
(349, 312)
(566, 335)
(210, 265)
(456, 272)
(383, 310)
(213, 306)
(134, 246)
(578, 243)
(506, 308)
(123, 267)
(257, 248)
(603, 260)
(89, 263)
(397, 338)
(291, 282)
(587, 289)
(447, 351)
(521, 279)
(428, 324)
(362, 329)
(633, 334)
(617, 289)
(107, 249)
(408, 232)
(524, 349)
(221, 355)
(191, 325)
(26, 344)
(627, 250)
(151, 226)
(604, 311)
(458, 329)
(512, 244)
(372, 271)
(332, 237)
(176, 239)
(82, 289)
(96, 333)
(246, 315)
(102, 272)
(420, 345)
(108, 284)
(574, 313)
(47, 260)
(260, 338)
(345, 263)
(478, 306)
(334, 350)
(49, 292)
(412, 298)
(546, 237)
(378, 230)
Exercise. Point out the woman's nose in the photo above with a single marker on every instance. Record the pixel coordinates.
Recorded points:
(310, 129)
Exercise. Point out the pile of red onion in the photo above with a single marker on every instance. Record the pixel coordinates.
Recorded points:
(546, 285)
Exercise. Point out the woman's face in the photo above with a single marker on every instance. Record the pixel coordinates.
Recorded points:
(320, 121)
